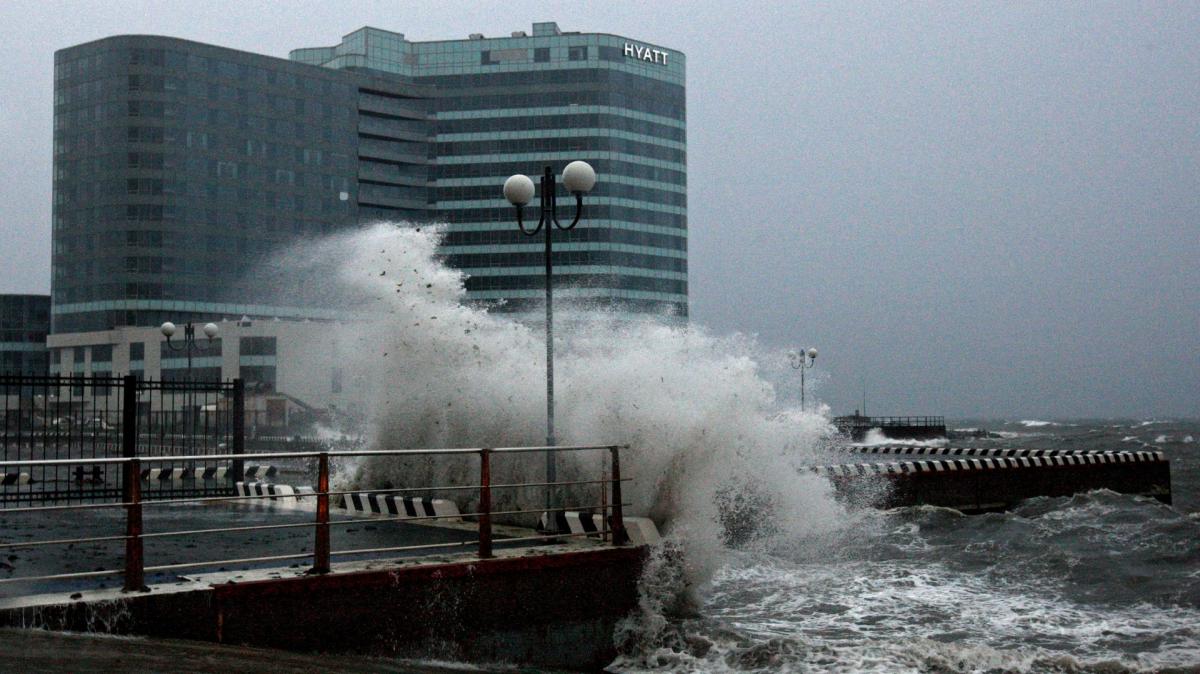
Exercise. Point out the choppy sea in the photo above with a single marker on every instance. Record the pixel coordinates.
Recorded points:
(1097, 582)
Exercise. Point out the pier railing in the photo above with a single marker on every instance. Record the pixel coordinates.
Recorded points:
(892, 421)
(611, 508)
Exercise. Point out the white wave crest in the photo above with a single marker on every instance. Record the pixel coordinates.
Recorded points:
(875, 436)
(694, 407)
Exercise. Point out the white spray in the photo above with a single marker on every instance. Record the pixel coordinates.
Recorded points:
(695, 408)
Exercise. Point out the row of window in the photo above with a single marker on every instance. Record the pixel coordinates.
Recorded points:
(569, 280)
(382, 125)
(614, 304)
(370, 192)
(226, 117)
(491, 57)
(568, 257)
(598, 143)
(514, 236)
(504, 214)
(22, 362)
(278, 129)
(555, 122)
(17, 332)
(656, 105)
(602, 189)
(324, 205)
(388, 148)
(639, 85)
(603, 167)
(368, 168)
(190, 217)
(77, 63)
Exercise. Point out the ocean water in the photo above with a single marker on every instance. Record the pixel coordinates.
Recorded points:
(1096, 582)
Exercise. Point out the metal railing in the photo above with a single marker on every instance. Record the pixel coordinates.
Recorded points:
(134, 567)
(891, 421)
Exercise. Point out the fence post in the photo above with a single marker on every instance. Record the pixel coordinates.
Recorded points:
(129, 430)
(238, 468)
(135, 580)
(485, 503)
(619, 535)
(321, 544)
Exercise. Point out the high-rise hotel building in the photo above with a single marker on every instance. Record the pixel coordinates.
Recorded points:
(180, 167)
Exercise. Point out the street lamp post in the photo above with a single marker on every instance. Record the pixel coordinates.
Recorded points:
(578, 177)
(189, 339)
(802, 360)
(189, 345)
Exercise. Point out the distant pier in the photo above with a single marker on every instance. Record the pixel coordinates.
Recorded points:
(856, 426)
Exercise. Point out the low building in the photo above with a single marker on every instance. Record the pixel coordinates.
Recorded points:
(291, 370)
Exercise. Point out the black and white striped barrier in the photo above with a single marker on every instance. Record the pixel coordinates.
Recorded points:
(957, 451)
(212, 473)
(206, 473)
(941, 465)
(996, 482)
(402, 506)
(641, 530)
(279, 494)
(259, 472)
(162, 474)
(12, 479)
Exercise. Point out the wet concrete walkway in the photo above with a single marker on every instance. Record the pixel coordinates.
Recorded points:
(70, 558)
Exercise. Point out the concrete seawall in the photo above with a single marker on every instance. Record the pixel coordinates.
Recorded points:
(537, 607)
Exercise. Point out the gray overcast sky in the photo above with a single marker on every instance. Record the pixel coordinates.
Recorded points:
(982, 209)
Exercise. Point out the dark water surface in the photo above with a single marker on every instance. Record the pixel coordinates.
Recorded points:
(1098, 582)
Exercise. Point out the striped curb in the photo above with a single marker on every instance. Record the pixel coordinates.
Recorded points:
(151, 474)
(402, 506)
(281, 494)
(641, 530)
(959, 451)
(207, 473)
(212, 473)
(946, 465)
(256, 472)
(10, 479)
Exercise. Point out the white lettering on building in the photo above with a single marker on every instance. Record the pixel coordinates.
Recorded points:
(645, 53)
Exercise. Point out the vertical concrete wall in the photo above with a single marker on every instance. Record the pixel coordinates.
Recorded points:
(555, 610)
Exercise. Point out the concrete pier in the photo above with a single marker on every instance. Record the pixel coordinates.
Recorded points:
(977, 480)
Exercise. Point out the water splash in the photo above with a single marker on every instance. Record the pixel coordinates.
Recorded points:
(696, 409)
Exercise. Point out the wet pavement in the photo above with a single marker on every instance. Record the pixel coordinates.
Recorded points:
(356, 532)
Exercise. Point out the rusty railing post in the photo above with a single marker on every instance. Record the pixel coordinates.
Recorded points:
(485, 503)
(321, 545)
(619, 535)
(237, 467)
(129, 429)
(603, 502)
(135, 575)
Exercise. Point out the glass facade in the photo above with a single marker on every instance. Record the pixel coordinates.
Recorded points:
(515, 104)
(24, 324)
(180, 167)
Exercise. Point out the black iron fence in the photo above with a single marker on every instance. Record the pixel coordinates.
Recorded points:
(49, 418)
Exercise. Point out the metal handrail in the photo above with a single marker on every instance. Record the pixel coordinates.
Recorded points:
(298, 455)
(293, 525)
(275, 497)
(135, 569)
